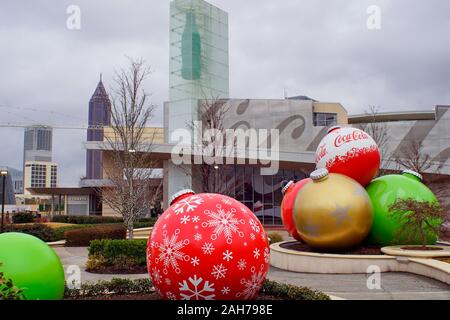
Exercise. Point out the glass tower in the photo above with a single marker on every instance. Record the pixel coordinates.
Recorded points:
(198, 70)
(198, 58)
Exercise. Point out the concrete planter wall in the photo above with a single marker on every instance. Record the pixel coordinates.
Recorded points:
(308, 262)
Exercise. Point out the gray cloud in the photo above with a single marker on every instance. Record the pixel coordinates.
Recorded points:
(320, 48)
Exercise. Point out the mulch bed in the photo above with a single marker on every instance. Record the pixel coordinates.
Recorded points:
(113, 270)
(153, 296)
(418, 248)
(361, 250)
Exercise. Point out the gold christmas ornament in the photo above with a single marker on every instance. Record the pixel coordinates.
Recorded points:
(332, 212)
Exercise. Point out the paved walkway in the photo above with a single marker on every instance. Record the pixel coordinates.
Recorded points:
(394, 285)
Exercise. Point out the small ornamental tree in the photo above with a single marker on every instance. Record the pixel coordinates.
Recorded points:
(419, 218)
(7, 289)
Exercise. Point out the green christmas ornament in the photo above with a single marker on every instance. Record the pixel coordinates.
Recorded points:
(32, 265)
(383, 193)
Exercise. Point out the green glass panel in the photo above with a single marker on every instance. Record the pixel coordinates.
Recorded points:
(191, 49)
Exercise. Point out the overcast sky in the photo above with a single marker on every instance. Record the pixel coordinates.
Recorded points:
(319, 48)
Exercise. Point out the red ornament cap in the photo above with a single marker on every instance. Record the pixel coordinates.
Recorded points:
(286, 187)
(334, 128)
(177, 195)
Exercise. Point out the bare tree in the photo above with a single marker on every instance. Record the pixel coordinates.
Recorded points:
(380, 133)
(419, 219)
(413, 157)
(131, 189)
(376, 129)
(217, 175)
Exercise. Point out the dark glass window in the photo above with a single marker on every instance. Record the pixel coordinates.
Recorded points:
(322, 119)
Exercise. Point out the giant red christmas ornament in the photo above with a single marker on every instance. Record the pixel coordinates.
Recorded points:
(289, 193)
(351, 152)
(207, 246)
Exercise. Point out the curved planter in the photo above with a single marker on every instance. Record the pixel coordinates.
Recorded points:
(310, 262)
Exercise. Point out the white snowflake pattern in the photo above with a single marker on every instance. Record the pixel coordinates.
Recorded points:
(185, 219)
(164, 226)
(208, 248)
(168, 281)
(195, 261)
(225, 290)
(197, 237)
(187, 204)
(196, 292)
(170, 251)
(167, 215)
(195, 219)
(254, 225)
(171, 296)
(224, 222)
(244, 209)
(219, 271)
(256, 253)
(227, 255)
(226, 201)
(252, 236)
(252, 285)
(242, 264)
(156, 275)
(266, 255)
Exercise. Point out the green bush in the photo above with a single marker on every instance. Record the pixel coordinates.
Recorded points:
(115, 286)
(39, 230)
(86, 219)
(113, 249)
(82, 237)
(8, 291)
(144, 286)
(290, 292)
(275, 237)
(59, 233)
(22, 217)
(144, 222)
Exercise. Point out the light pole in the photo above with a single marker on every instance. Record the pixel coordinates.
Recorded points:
(3, 173)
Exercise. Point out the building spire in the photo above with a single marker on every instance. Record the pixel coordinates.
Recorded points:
(101, 76)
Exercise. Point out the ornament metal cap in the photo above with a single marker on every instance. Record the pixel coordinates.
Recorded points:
(413, 173)
(179, 194)
(333, 128)
(284, 189)
(319, 174)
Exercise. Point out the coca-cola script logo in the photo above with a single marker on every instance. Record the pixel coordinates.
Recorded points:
(321, 152)
(346, 138)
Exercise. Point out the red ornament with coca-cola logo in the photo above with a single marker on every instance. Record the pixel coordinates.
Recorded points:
(287, 205)
(349, 151)
(207, 247)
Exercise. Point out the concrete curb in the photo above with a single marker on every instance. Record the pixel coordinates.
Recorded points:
(308, 262)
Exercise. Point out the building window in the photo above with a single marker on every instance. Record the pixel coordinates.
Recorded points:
(53, 176)
(261, 194)
(38, 175)
(322, 119)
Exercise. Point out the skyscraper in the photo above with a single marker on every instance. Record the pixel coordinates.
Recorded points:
(99, 116)
(38, 169)
(38, 144)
